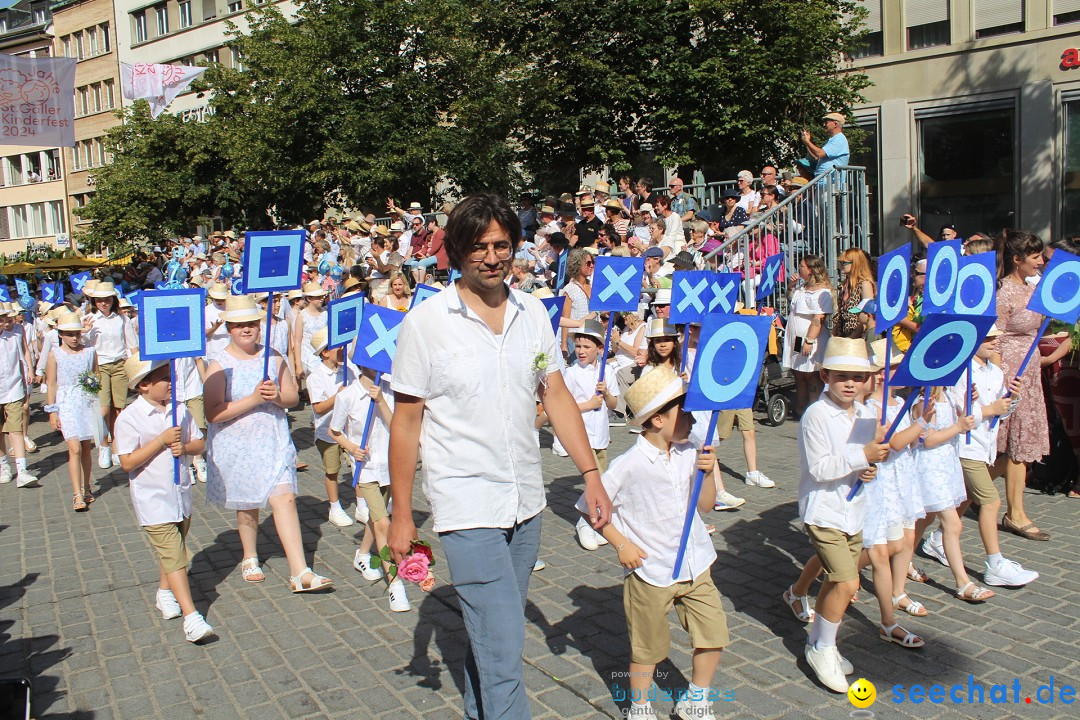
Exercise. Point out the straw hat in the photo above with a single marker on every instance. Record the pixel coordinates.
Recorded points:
(653, 391)
(68, 320)
(877, 348)
(294, 295)
(591, 328)
(219, 291)
(994, 332)
(313, 289)
(658, 328)
(44, 307)
(351, 284)
(603, 187)
(102, 289)
(125, 303)
(17, 306)
(136, 368)
(613, 205)
(319, 340)
(50, 317)
(240, 308)
(542, 293)
(415, 206)
(90, 285)
(663, 297)
(846, 354)
(397, 226)
(381, 231)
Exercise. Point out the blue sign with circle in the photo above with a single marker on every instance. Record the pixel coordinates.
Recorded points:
(942, 349)
(1058, 293)
(730, 351)
(894, 283)
(976, 285)
(942, 273)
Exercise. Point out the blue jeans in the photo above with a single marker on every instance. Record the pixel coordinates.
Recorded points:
(490, 569)
(425, 263)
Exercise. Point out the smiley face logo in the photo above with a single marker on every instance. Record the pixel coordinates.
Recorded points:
(862, 693)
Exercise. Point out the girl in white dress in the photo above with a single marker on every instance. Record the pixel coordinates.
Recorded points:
(941, 480)
(251, 460)
(73, 411)
(806, 334)
(308, 321)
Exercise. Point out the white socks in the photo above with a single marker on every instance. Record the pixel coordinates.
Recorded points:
(823, 632)
(336, 505)
(993, 560)
(20, 465)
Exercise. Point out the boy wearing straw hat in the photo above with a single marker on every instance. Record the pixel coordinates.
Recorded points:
(649, 486)
(323, 385)
(839, 442)
(147, 442)
(14, 379)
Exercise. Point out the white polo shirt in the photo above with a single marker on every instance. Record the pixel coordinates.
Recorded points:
(830, 458)
(481, 463)
(349, 417)
(322, 384)
(111, 337)
(581, 382)
(989, 380)
(11, 372)
(154, 495)
(218, 340)
(650, 492)
(189, 383)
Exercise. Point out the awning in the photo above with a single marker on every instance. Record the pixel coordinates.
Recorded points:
(19, 268)
(68, 264)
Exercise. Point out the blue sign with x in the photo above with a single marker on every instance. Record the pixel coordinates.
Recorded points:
(376, 341)
(724, 291)
(690, 290)
(52, 293)
(770, 274)
(554, 307)
(1058, 293)
(616, 283)
(78, 280)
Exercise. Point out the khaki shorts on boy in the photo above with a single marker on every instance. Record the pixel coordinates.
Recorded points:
(376, 496)
(170, 543)
(729, 418)
(13, 416)
(197, 409)
(646, 607)
(330, 452)
(114, 387)
(601, 459)
(977, 480)
(838, 552)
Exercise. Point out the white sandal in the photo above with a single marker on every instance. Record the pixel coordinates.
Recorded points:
(978, 595)
(318, 582)
(914, 607)
(807, 612)
(250, 566)
(910, 639)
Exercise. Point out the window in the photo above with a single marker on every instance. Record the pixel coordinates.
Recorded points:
(140, 27)
(161, 12)
(998, 17)
(966, 170)
(67, 46)
(40, 13)
(235, 6)
(1070, 206)
(96, 89)
(209, 9)
(3, 24)
(20, 226)
(927, 23)
(92, 38)
(210, 57)
(38, 227)
(106, 39)
(185, 14)
(56, 216)
(82, 107)
(79, 52)
(76, 156)
(867, 155)
(107, 91)
(874, 42)
(237, 60)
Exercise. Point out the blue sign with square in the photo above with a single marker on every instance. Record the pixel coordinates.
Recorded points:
(731, 349)
(22, 288)
(273, 260)
(616, 284)
(171, 324)
(376, 342)
(343, 320)
(1058, 293)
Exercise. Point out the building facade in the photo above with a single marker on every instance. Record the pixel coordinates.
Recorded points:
(973, 115)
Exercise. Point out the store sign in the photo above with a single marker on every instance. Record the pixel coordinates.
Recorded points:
(1070, 59)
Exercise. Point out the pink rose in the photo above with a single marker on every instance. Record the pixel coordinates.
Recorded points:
(428, 583)
(414, 568)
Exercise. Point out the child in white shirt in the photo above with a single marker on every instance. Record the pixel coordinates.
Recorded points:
(324, 383)
(14, 380)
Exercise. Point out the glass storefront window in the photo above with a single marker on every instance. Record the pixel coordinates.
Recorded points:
(1070, 206)
(966, 172)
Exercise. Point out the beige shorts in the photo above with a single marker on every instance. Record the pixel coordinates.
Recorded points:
(376, 496)
(980, 486)
(170, 543)
(13, 416)
(646, 607)
(330, 452)
(114, 389)
(601, 459)
(197, 409)
(838, 552)
(729, 418)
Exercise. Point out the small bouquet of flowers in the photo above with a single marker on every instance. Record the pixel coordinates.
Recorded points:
(90, 383)
(415, 567)
(540, 364)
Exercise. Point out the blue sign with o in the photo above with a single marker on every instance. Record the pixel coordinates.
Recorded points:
(1058, 292)
(731, 349)
(942, 350)
(893, 281)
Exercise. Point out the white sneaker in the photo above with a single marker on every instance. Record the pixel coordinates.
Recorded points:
(362, 513)
(727, 501)
(166, 603)
(362, 562)
(617, 420)
(758, 479)
(196, 628)
(826, 665)
(933, 548)
(5, 473)
(339, 517)
(399, 601)
(586, 535)
(199, 463)
(25, 479)
(694, 710)
(845, 667)
(1008, 573)
(104, 458)
(559, 451)
(539, 565)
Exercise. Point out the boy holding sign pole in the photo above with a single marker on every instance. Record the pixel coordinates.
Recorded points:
(324, 384)
(649, 486)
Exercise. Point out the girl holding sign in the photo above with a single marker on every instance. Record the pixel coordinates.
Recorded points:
(1025, 435)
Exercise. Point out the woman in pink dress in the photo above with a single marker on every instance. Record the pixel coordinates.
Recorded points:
(1024, 437)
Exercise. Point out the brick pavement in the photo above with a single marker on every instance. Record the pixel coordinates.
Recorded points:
(77, 614)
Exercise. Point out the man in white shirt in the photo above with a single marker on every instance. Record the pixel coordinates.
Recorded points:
(470, 363)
